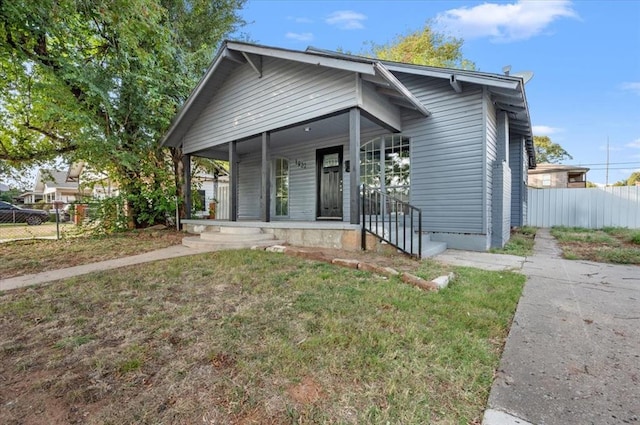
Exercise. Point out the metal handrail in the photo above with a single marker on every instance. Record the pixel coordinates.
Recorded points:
(389, 219)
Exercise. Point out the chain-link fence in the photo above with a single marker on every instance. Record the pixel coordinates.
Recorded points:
(40, 220)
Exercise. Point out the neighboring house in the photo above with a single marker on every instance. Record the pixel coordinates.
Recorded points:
(303, 130)
(95, 184)
(52, 185)
(547, 176)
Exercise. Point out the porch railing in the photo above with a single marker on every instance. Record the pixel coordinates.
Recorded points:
(392, 220)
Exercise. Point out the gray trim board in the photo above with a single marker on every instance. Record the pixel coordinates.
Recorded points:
(233, 181)
(265, 194)
(354, 158)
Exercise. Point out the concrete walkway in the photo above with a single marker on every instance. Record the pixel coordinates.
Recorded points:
(573, 352)
(53, 275)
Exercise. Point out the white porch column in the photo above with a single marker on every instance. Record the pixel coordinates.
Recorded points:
(233, 181)
(265, 193)
(186, 189)
(354, 159)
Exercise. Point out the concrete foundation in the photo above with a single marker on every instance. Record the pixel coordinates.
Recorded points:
(338, 235)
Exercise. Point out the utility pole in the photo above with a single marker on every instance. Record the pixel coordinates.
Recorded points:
(606, 182)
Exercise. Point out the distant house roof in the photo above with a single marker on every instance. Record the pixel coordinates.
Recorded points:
(553, 168)
(52, 178)
(507, 91)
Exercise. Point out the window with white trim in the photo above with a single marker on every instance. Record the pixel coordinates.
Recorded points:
(282, 187)
(385, 163)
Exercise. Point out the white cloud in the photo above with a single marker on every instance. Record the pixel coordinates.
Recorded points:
(544, 130)
(300, 19)
(634, 87)
(505, 22)
(346, 20)
(303, 36)
(634, 144)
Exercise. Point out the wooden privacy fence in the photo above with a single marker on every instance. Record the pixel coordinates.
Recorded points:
(593, 208)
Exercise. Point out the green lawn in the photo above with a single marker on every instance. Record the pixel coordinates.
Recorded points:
(33, 256)
(254, 337)
(520, 243)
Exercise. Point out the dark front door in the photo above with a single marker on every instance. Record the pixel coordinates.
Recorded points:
(329, 166)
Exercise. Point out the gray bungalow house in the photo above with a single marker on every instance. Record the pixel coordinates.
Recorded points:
(303, 131)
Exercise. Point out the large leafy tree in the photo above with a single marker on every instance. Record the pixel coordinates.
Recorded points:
(100, 80)
(424, 47)
(549, 152)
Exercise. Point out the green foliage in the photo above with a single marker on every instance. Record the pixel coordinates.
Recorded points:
(548, 151)
(100, 80)
(108, 216)
(632, 180)
(9, 195)
(423, 47)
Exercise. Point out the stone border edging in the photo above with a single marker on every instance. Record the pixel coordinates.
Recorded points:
(411, 279)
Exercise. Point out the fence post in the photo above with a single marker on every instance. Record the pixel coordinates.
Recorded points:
(56, 204)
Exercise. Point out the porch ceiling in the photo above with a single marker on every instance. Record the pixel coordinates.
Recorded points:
(333, 127)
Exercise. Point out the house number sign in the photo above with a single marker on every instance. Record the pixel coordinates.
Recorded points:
(300, 164)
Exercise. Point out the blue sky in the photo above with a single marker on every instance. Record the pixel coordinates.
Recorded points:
(585, 56)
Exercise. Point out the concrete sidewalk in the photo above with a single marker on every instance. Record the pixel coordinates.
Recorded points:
(573, 352)
(53, 275)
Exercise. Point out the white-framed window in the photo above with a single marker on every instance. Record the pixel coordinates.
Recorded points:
(385, 163)
(281, 187)
(546, 179)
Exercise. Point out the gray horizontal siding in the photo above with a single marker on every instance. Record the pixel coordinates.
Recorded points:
(516, 154)
(249, 187)
(491, 146)
(446, 155)
(302, 180)
(287, 93)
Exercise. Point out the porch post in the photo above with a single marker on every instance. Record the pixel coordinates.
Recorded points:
(233, 181)
(186, 167)
(354, 158)
(265, 194)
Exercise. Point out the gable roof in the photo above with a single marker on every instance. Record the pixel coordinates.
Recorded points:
(507, 92)
(52, 178)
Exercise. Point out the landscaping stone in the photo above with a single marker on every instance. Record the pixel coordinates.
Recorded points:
(276, 248)
(443, 281)
(374, 268)
(309, 255)
(352, 264)
(418, 281)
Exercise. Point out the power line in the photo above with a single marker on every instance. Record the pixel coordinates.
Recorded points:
(604, 163)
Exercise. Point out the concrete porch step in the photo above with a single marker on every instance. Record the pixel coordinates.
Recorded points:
(235, 237)
(237, 230)
(197, 242)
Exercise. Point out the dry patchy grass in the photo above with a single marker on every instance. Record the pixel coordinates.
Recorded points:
(34, 256)
(609, 245)
(244, 337)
